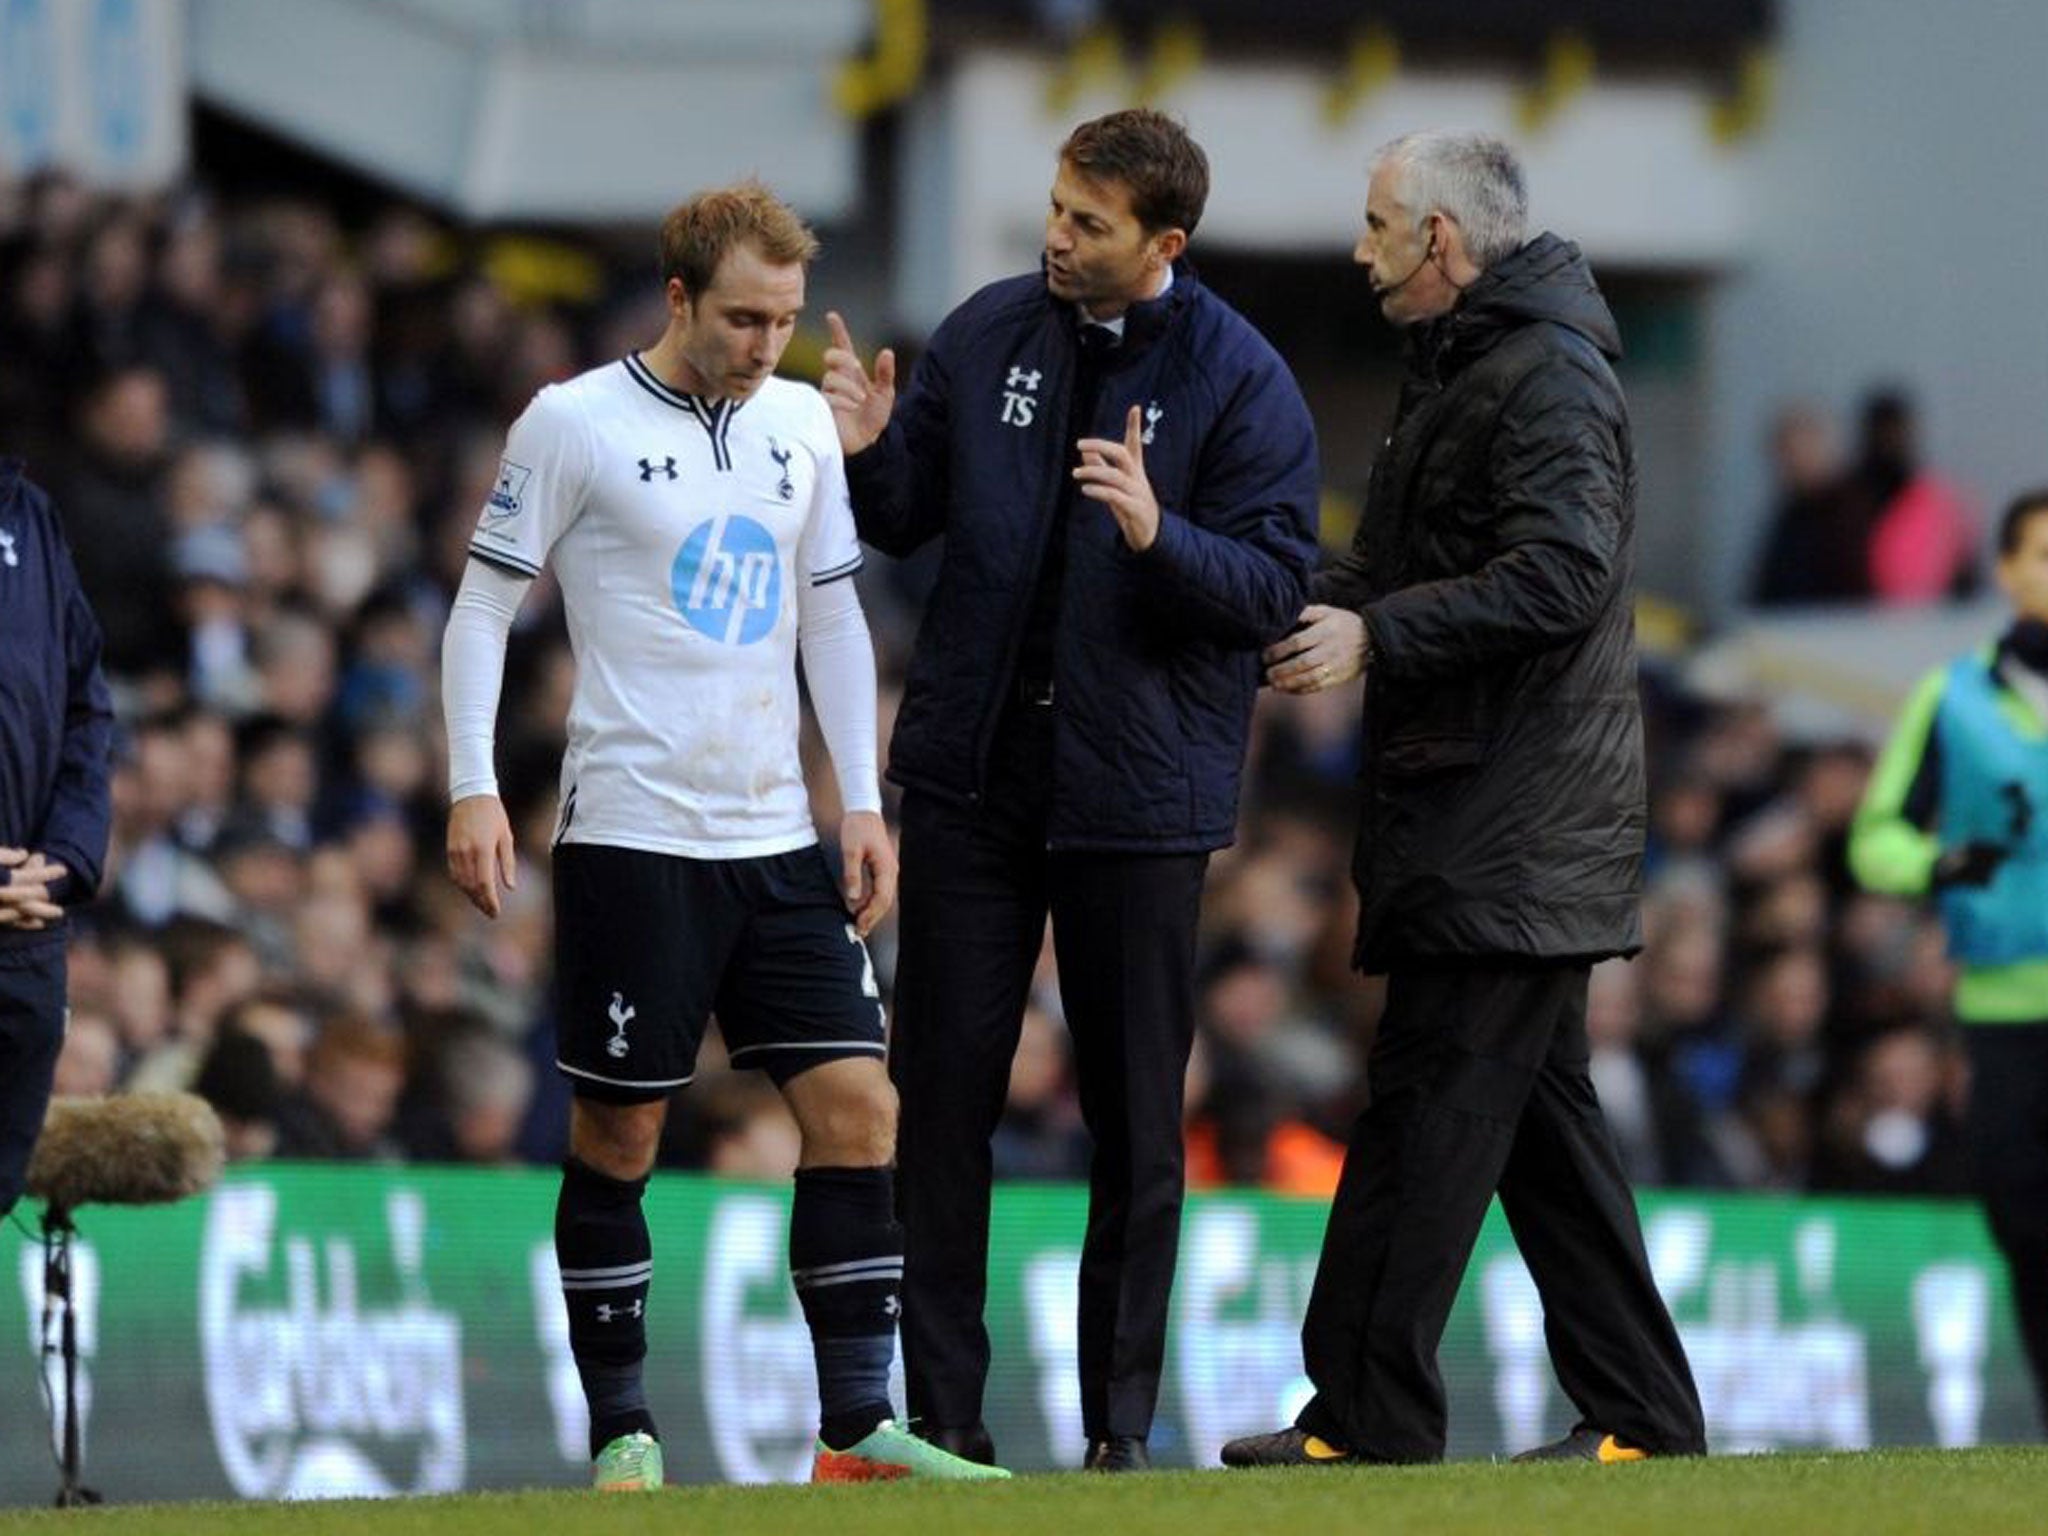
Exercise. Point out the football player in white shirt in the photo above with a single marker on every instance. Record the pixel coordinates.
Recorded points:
(694, 509)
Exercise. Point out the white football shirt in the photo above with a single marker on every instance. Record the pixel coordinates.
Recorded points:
(683, 532)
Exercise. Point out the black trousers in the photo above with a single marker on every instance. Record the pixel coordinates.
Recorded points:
(2008, 1130)
(1479, 1083)
(31, 1034)
(978, 883)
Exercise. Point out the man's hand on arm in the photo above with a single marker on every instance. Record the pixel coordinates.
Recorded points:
(869, 859)
(480, 851)
(860, 404)
(1329, 647)
(1113, 473)
(28, 882)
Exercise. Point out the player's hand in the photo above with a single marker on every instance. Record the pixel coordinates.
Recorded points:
(869, 860)
(480, 851)
(26, 881)
(1327, 648)
(860, 405)
(1113, 473)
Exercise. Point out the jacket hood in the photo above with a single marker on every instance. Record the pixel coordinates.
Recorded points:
(1547, 279)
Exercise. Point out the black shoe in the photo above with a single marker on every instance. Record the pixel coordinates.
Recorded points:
(1289, 1447)
(1585, 1444)
(1117, 1453)
(970, 1442)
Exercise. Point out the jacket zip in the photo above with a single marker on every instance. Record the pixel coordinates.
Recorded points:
(1048, 513)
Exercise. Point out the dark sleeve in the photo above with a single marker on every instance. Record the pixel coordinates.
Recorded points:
(1342, 583)
(899, 483)
(1556, 466)
(1235, 565)
(75, 832)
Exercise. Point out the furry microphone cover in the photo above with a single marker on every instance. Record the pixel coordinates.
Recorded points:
(127, 1149)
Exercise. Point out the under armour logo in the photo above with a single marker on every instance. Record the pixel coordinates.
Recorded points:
(621, 1014)
(649, 469)
(780, 455)
(607, 1313)
(891, 1306)
(1020, 404)
(1152, 415)
(7, 554)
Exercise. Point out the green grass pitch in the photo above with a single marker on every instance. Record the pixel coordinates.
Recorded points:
(1981, 1493)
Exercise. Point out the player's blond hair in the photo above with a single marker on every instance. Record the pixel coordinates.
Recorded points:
(698, 235)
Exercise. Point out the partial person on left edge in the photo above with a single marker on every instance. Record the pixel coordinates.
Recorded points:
(56, 737)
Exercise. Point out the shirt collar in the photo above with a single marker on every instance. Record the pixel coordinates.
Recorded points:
(1115, 327)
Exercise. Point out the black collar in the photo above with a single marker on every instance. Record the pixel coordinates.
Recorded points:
(705, 408)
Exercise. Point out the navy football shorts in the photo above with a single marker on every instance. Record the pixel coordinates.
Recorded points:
(649, 945)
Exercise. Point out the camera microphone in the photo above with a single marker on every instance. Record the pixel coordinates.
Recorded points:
(126, 1149)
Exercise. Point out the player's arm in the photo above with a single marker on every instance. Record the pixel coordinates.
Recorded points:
(542, 481)
(480, 847)
(1892, 847)
(839, 664)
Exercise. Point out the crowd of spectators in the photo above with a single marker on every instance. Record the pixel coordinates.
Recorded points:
(269, 438)
(1878, 527)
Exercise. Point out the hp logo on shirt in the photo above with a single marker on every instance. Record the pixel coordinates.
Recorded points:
(727, 581)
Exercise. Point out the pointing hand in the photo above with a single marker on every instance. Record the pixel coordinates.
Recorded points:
(860, 404)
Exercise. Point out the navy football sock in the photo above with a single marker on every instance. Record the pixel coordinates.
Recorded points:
(607, 1262)
(846, 1260)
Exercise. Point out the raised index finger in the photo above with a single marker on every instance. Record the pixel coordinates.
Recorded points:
(1134, 433)
(836, 327)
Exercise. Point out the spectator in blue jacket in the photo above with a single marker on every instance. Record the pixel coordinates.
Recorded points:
(1125, 476)
(56, 727)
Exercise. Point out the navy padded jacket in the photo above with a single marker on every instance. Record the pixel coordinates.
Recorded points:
(1155, 661)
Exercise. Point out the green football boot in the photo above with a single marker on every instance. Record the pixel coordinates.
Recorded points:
(890, 1451)
(630, 1464)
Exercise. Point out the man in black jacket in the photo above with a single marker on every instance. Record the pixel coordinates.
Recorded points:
(1486, 599)
(56, 727)
(1125, 476)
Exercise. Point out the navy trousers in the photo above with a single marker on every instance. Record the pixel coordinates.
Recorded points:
(978, 884)
(31, 1033)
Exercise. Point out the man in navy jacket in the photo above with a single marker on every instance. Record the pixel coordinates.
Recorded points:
(1124, 473)
(56, 728)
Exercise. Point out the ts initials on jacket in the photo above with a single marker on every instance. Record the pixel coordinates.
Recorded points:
(1504, 806)
(1155, 657)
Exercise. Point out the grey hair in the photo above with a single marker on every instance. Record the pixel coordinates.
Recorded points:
(1473, 179)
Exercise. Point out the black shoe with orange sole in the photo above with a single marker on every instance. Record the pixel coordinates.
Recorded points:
(1586, 1444)
(1289, 1447)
